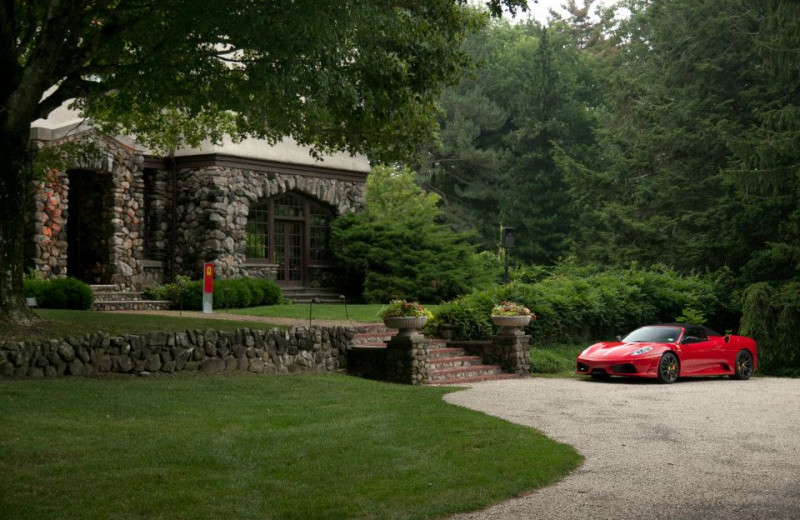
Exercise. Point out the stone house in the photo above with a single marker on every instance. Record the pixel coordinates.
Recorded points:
(120, 214)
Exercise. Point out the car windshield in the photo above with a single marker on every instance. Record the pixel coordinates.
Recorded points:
(656, 334)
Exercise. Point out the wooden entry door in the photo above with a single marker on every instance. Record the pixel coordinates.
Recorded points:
(289, 251)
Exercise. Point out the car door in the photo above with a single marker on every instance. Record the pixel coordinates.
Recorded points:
(698, 352)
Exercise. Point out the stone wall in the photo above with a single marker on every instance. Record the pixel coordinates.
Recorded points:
(136, 205)
(49, 254)
(124, 241)
(213, 206)
(244, 350)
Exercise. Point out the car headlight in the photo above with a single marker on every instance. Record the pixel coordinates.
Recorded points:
(640, 351)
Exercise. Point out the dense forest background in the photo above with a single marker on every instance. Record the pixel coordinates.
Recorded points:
(649, 165)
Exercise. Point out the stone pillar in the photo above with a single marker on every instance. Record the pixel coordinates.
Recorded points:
(511, 348)
(408, 359)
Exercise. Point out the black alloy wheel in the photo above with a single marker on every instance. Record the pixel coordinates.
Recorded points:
(668, 368)
(743, 368)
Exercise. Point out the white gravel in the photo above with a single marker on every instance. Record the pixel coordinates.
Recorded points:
(697, 449)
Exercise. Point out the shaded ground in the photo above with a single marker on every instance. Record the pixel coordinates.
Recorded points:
(288, 322)
(697, 449)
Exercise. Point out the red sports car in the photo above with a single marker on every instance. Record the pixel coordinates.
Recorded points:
(667, 352)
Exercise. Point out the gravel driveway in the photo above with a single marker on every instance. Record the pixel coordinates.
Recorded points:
(697, 449)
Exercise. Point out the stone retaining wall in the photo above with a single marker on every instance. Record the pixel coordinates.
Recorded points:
(298, 349)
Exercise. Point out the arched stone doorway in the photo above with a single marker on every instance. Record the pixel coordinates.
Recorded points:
(291, 232)
(89, 225)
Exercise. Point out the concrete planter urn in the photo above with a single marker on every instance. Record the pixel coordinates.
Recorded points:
(511, 325)
(406, 325)
(511, 322)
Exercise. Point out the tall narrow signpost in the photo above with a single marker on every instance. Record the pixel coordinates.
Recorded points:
(208, 288)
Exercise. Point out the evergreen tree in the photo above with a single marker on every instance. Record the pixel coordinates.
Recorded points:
(398, 250)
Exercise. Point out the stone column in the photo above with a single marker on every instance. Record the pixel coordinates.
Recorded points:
(511, 348)
(408, 359)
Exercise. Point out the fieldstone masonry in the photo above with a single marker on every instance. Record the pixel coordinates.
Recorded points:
(510, 350)
(132, 215)
(245, 350)
(122, 247)
(407, 359)
(214, 203)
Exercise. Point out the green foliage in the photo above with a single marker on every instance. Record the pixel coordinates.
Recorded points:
(495, 163)
(690, 315)
(771, 315)
(397, 308)
(174, 73)
(554, 359)
(575, 304)
(398, 249)
(234, 293)
(60, 293)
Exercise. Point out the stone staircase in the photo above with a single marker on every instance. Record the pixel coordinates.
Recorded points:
(113, 298)
(448, 365)
(300, 294)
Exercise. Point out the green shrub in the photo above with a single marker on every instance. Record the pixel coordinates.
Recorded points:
(34, 288)
(546, 362)
(61, 293)
(771, 315)
(241, 292)
(577, 304)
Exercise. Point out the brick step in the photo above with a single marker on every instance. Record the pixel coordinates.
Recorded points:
(452, 362)
(463, 372)
(96, 288)
(117, 296)
(446, 352)
(138, 305)
(475, 379)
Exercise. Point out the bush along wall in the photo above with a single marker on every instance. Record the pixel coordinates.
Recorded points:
(582, 304)
(233, 293)
(60, 293)
(298, 349)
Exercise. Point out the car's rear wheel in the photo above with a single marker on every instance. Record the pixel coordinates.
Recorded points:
(668, 368)
(743, 367)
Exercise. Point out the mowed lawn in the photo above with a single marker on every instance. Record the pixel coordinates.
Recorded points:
(320, 311)
(61, 323)
(279, 447)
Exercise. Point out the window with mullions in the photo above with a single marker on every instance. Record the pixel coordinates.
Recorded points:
(289, 230)
(257, 231)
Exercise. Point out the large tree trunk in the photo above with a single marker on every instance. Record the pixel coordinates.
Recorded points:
(15, 204)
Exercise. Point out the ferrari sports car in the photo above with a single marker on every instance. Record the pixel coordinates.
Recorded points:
(669, 351)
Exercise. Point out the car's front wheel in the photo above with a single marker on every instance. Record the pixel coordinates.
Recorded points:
(668, 368)
(743, 367)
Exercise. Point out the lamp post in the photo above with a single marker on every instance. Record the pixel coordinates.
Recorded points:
(344, 301)
(508, 243)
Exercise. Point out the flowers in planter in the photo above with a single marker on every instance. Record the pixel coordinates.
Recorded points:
(397, 308)
(512, 309)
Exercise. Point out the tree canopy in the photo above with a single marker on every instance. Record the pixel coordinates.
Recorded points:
(332, 74)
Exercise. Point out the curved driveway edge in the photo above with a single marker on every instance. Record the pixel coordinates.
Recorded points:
(697, 449)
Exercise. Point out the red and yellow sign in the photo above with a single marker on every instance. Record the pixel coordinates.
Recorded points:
(208, 278)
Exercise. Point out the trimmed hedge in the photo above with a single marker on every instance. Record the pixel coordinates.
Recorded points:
(242, 292)
(60, 293)
(577, 304)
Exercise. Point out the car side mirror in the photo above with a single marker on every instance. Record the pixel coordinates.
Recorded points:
(619, 338)
(727, 338)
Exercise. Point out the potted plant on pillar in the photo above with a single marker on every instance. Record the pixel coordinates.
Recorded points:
(511, 316)
(404, 316)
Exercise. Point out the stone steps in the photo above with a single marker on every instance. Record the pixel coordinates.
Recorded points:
(299, 294)
(451, 366)
(109, 298)
(448, 365)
